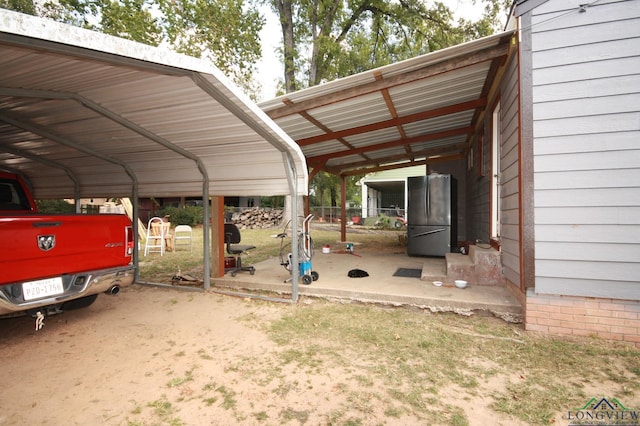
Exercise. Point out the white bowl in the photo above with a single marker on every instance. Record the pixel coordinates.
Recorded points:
(460, 283)
(437, 283)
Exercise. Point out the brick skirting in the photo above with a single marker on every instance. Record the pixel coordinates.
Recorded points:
(609, 319)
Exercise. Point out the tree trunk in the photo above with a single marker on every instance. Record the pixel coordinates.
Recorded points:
(286, 214)
(286, 21)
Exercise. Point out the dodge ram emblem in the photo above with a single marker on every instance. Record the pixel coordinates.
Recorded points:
(46, 242)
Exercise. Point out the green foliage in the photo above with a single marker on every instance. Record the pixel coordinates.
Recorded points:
(276, 202)
(325, 190)
(55, 206)
(22, 6)
(188, 215)
(351, 36)
(130, 19)
(225, 32)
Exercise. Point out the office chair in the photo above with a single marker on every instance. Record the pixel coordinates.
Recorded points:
(232, 239)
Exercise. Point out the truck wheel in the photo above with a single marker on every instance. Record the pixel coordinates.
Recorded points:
(83, 302)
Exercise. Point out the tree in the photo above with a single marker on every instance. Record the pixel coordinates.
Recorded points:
(328, 39)
(22, 6)
(225, 32)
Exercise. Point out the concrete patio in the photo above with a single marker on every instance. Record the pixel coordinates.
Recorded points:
(380, 286)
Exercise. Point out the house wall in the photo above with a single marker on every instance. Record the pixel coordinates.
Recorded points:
(478, 185)
(510, 174)
(586, 115)
(585, 94)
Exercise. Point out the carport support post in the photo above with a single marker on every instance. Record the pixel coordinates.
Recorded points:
(343, 210)
(217, 236)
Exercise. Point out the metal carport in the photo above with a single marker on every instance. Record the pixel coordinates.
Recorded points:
(424, 110)
(84, 114)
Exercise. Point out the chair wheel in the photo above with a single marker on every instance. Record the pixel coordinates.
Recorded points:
(233, 274)
(253, 271)
(315, 275)
(306, 279)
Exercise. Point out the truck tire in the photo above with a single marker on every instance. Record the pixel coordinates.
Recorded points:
(83, 302)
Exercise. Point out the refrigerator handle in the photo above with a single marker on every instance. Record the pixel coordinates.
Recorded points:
(427, 210)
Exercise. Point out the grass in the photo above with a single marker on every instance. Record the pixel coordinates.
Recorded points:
(407, 366)
(422, 359)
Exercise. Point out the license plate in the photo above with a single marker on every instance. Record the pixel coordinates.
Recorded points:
(42, 288)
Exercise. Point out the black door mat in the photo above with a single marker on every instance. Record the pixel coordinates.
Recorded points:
(408, 273)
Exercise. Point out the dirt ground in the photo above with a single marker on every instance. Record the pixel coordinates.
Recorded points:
(155, 356)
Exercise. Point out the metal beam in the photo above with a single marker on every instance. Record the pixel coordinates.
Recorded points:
(424, 115)
(128, 124)
(22, 153)
(431, 160)
(320, 159)
(392, 160)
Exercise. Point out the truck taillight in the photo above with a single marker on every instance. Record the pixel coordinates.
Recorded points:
(129, 241)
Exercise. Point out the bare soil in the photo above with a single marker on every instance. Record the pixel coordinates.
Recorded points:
(155, 356)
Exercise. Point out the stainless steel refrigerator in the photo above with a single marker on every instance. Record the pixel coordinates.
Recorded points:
(432, 215)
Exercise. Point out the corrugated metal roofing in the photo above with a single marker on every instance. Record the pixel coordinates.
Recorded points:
(408, 113)
(86, 114)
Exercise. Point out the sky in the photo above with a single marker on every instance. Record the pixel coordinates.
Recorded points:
(270, 70)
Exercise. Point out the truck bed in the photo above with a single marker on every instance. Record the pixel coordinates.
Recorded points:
(36, 246)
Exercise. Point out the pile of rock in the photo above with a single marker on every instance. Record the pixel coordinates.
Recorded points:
(257, 218)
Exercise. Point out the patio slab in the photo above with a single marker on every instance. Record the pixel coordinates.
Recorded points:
(380, 286)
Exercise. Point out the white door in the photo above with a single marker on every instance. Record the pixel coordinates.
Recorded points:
(496, 138)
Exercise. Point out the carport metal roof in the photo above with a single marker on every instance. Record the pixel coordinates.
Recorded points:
(413, 112)
(84, 114)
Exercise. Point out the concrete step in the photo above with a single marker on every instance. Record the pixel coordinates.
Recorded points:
(460, 267)
(434, 269)
(480, 267)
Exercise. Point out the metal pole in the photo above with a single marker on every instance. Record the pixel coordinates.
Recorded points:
(135, 222)
(206, 229)
(293, 189)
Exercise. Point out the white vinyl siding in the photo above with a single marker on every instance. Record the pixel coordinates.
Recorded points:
(586, 127)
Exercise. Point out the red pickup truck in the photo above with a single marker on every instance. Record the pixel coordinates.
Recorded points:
(52, 262)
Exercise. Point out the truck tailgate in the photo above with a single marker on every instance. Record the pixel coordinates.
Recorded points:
(41, 246)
